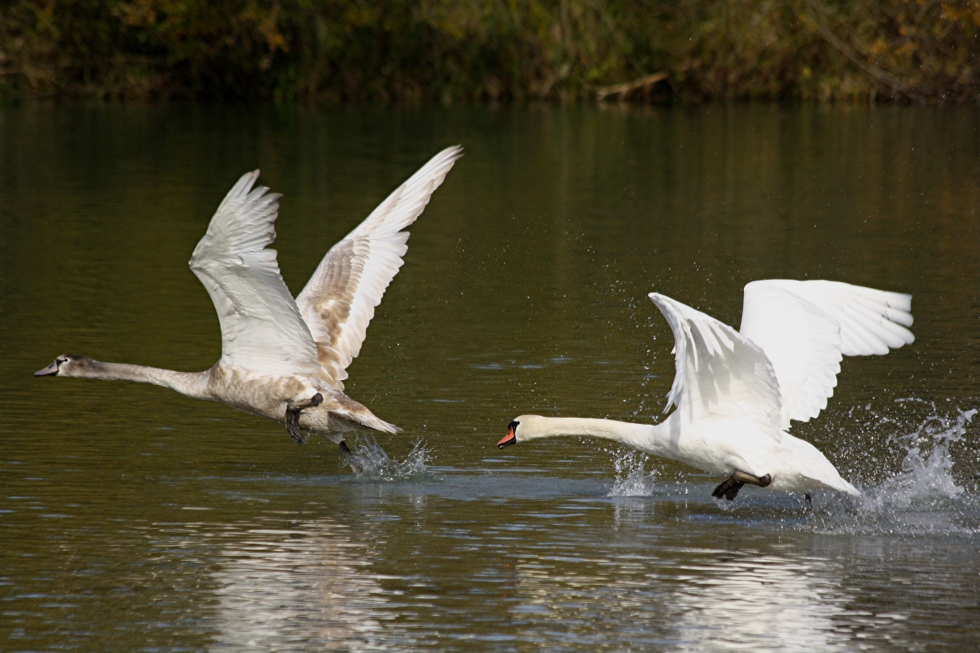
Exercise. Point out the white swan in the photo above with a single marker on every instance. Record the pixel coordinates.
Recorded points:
(736, 391)
(280, 358)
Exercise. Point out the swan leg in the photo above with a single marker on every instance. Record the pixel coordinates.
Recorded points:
(348, 458)
(293, 409)
(730, 486)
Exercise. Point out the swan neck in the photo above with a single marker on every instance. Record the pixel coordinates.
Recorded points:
(622, 432)
(192, 384)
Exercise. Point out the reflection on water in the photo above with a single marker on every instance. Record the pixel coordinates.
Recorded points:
(307, 587)
(760, 602)
(688, 599)
(135, 519)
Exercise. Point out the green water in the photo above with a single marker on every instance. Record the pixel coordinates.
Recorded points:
(132, 518)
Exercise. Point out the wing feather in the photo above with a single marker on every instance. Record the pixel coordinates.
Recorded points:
(338, 301)
(807, 327)
(718, 372)
(261, 327)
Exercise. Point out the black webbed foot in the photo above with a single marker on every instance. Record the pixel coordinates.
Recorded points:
(292, 425)
(292, 416)
(730, 486)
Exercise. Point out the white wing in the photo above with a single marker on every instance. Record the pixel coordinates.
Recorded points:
(339, 299)
(806, 327)
(261, 328)
(718, 372)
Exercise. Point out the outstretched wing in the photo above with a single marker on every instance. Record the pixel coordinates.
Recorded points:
(261, 328)
(718, 373)
(339, 299)
(806, 327)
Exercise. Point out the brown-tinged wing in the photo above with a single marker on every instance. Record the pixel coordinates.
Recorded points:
(339, 299)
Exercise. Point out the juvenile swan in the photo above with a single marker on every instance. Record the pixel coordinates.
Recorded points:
(736, 391)
(280, 358)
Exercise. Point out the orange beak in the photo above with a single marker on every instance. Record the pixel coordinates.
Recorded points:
(509, 439)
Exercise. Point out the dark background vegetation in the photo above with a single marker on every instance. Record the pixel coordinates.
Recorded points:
(332, 51)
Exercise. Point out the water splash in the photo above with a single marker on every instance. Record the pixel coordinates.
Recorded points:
(632, 480)
(376, 464)
(927, 467)
(924, 497)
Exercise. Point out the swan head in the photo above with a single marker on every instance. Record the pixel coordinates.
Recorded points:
(519, 430)
(67, 365)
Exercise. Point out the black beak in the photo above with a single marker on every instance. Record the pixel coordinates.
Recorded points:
(50, 370)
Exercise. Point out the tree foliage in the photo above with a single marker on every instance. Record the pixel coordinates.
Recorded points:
(329, 51)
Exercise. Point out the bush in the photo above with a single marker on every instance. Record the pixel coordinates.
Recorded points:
(331, 51)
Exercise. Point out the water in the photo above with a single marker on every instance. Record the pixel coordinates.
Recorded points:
(132, 518)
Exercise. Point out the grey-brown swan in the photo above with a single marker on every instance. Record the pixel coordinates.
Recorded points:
(737, 391)
(282, 358)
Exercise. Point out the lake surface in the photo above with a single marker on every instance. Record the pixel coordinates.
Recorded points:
(132, 518)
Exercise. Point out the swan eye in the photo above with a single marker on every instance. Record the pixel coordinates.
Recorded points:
(513, 425)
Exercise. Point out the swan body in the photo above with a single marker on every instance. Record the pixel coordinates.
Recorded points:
(281, 358)
(736, 392)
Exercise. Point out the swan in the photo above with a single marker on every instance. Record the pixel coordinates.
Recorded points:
(282, 358)
(735, 392)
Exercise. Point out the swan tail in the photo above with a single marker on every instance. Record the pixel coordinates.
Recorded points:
(837, 483)
(365, 417)
(848, 488)
(383, 426)
(814, 467)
